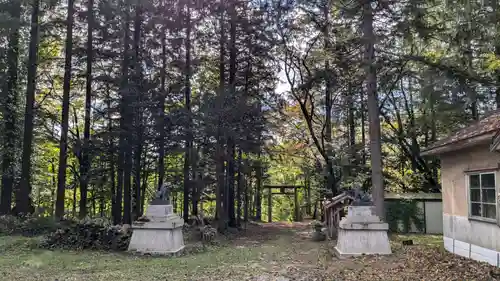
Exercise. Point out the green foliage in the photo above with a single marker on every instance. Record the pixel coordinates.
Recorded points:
(491, 62)
(404, 213)
(27, 225)
(422, 97)
(95, 234)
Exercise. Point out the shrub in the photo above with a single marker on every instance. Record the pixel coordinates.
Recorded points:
(27, 225)
(96, 234)
(208, 234)
(404, 213)
(9, 224)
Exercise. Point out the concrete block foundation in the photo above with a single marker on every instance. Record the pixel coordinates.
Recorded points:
(362, 233)
(162, 235)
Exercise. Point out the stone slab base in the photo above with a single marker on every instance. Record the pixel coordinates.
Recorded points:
(156, 241)
(341, 255)
(162, 235)
(362, 233)
(362, 242)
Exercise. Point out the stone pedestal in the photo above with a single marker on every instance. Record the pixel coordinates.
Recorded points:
(162, 234)
(362, 233)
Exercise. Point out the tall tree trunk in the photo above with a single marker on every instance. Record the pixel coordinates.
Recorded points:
(161, 111)
(137, 171)
(471, 92)
(247, 171)
(73, 168)
(144, 186)
(246, 184)
(239, 188)
(93, 203)
(258, 191)
(53, 185)
(330, 177)
(363, 133)
(85, 163)
(495, 17)
(73, 205)
(433, 138)
(230, 139)
(115, 213)
(373, 108)
(219, 155)
(197, 176)
(308, 194)
(351, 123)
(112, 174)
(124, 158)
(10, 104)
(251, 196)
(138, 112)
(102, 199)
(187, 99)
(127, 173)
(63, 145)
(24, 191)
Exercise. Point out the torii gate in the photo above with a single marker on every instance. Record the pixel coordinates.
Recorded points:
(283, 190)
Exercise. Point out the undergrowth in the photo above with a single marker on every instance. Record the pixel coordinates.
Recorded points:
(95, 234)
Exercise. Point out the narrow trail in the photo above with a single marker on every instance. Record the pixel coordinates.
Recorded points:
(288, 253)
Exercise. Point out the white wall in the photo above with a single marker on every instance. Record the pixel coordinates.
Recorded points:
(472, 239)
(433, 217)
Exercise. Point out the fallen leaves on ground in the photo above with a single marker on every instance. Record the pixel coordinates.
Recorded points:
(425, 261)
(416, 263)
(262, 252)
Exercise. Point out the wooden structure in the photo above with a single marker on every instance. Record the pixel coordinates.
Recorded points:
(283, 190)
(332, 210)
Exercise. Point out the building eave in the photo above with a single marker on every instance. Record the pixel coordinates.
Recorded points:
(462, 144)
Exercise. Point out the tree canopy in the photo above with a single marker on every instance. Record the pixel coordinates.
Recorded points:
(103, 100)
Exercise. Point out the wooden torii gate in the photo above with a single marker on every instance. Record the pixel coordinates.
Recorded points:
(283, 190)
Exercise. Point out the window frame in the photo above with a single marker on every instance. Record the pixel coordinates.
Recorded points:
(469, 202)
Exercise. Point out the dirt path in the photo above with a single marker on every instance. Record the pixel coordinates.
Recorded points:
(287, 252)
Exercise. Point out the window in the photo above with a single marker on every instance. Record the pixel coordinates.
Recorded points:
(482, 197)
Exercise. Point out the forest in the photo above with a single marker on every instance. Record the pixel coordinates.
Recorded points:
(103, 101)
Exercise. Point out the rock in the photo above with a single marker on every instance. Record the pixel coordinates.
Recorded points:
(318, 236)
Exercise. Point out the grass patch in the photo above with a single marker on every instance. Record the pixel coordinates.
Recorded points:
(20, 261)
(263, 254)
(419, 239)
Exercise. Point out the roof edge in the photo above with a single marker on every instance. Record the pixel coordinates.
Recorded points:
(495, 142)
(461, 144)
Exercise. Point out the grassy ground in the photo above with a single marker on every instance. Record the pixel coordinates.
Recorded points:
(263, 252)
